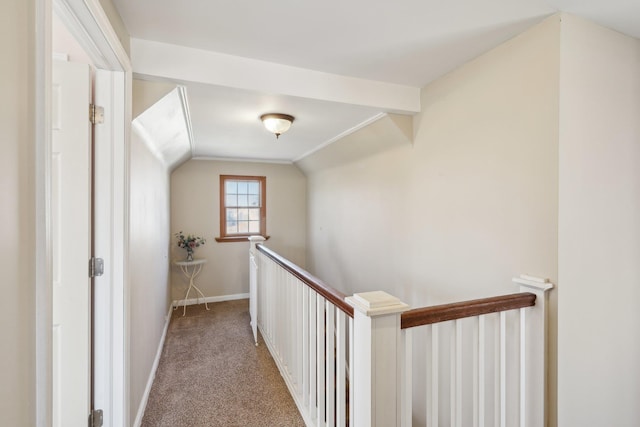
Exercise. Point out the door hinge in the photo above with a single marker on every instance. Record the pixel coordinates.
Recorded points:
(95, 418)
(96, 267)
(96, 114)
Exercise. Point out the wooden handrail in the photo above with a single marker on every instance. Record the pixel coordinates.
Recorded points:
(460, 310)
(336, 297)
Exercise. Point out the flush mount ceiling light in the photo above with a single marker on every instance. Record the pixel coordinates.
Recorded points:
(277, 123)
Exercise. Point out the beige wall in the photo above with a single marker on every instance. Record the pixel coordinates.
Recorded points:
(146, 93)
(599, 240)
(471, 204)
(17, 215)
(148, 263)
(195, 210)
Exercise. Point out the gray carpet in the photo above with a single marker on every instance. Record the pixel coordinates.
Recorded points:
(212, 374)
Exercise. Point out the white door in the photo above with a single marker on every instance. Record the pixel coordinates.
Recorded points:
(71, 227)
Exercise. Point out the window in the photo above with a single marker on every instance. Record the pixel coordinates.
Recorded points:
(243, 210)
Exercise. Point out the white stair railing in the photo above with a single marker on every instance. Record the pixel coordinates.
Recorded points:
(483, 361)
(348, 361)
(308, 328)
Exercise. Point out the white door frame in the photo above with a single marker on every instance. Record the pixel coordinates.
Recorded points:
(87, 21)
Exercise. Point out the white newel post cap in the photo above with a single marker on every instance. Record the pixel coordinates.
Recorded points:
(254, 240)
(533, 283)
(376, 303)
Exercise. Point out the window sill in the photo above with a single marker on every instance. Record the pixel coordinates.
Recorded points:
(229, 239)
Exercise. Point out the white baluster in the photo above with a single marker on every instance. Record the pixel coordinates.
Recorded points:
(435, 380)
(305, 347)
(523, 367)
(279, 307)
(253, 284)
(453, 340)
(503, 369)
(289, 323)
(482, 367)
(313, 353)
(406, 376)
(341, 344)
(270, 302)
(351, 380)
(299, 353)
(496, 372)
(321, 360)
(276, 312)
(458, 376)
(266, 284)
(330, 366)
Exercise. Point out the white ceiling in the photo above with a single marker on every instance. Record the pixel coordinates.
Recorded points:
(406, 42)
(219, 128)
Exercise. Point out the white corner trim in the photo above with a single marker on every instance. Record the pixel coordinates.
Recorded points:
(194, 301)
(89, 24)
(242, 159)
(342, 135)
(182, 93)
(152, 375)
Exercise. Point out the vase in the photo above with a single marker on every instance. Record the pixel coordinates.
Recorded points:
(189, 255)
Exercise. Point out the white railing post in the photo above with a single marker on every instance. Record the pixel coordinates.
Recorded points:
(533, 353)
(253, 285)
(377, 358)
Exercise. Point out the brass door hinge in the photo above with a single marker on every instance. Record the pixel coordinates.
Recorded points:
(95, 418)
(96, 114)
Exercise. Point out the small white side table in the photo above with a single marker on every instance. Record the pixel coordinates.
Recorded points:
(191, 269)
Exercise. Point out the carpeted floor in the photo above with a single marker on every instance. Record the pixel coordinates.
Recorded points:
(212, 374)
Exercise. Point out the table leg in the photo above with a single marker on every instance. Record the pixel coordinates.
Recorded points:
(194, 273)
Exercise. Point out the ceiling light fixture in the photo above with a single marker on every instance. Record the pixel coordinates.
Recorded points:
(277, 123)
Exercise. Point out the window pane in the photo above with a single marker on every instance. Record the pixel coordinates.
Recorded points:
(243, 187)
(232, 223)
(231, 187)
(243, 200)
(254, 187)
(254, 200)
(243, 214)
(243, 226)
(232, 214)
(231, 200)
(254, 226)
(254, 214)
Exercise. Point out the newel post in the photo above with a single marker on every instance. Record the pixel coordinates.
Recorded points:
(377, 358)
(534, 353)
(253, 284)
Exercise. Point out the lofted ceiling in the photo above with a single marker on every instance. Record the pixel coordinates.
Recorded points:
(335, 65)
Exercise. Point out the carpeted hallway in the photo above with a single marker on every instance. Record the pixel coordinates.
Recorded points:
(212, 374)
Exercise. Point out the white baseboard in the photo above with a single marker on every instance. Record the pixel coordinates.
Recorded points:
(152, 375)
(193, 301)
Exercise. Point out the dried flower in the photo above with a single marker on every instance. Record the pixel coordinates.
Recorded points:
(189, 241)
